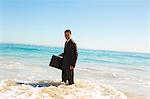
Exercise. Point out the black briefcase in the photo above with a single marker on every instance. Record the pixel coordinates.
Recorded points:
(56, 62)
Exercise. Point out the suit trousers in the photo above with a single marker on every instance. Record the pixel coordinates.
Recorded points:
(68, 75)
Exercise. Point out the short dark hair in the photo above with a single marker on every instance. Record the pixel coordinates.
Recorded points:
(68, 31)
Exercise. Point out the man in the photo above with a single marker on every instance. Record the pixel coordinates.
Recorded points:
(69, 58)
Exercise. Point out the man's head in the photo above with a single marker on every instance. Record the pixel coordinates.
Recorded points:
(67, 34)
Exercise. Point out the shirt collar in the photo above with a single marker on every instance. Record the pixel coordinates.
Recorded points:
(68, 40)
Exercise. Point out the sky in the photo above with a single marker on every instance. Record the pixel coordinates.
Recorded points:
(121, 25)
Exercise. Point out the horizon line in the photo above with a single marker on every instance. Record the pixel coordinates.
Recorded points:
(45, 45)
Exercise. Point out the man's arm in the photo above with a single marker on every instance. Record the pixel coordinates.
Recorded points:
(74, 55)
(62, 54)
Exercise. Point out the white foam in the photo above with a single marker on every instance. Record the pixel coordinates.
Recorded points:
(80, 90)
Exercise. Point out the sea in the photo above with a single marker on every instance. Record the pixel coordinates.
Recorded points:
(99, 74)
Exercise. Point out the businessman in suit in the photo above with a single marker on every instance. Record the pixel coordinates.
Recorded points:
(69, 55)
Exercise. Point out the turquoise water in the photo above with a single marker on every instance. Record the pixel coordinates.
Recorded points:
(41, 55)
(128, 72)
(30, 57)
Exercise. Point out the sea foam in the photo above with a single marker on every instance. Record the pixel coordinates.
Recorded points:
(55, 89)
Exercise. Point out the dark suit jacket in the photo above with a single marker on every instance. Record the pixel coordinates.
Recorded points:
(70, 54)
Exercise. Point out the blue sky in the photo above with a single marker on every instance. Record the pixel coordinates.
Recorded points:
(96, 24)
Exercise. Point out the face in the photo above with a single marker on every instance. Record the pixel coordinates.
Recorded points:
(67, 35)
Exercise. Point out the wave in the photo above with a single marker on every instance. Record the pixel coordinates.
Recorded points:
(54, 89)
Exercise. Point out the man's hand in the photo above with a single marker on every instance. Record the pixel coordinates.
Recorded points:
(60, 56)
(71, 67)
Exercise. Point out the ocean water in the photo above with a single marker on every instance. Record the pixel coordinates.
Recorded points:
(99, 74)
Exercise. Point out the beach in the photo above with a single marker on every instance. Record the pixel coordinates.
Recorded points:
(99, 74)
